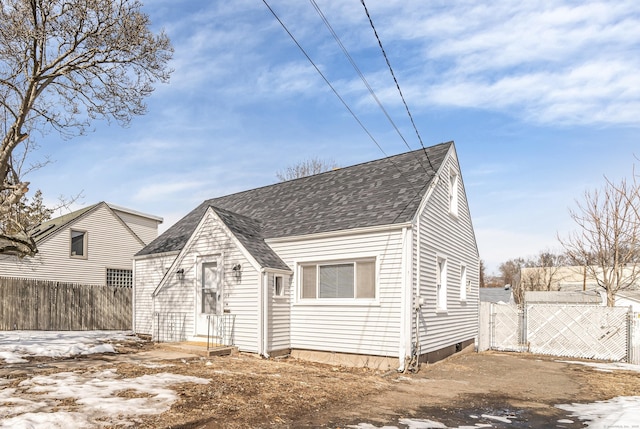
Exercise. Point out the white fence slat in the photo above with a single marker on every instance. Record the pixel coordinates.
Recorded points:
(589, 332)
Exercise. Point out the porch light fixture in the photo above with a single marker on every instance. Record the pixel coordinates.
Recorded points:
(180, 273)
(237, 271)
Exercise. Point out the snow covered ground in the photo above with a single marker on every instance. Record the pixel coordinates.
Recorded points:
(42, 401)
(15, 346)
(93, 397)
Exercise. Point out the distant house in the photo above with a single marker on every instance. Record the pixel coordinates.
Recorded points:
(565, 297)
(373, 261)
(496, 294)
(565, 278)
(629, 298)
(93, 245)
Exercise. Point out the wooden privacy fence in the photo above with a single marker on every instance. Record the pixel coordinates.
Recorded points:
(30, 304)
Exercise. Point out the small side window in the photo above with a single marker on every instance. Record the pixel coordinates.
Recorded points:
(453, 192)
(78, 244)
(278, 286)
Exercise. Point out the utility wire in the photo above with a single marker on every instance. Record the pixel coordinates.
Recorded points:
(362, 77)
(336, 92)
(384, 53)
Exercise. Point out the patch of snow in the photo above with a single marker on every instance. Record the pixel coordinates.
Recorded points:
(497, 418)
(422, 424)
(94, 395)
(605, 366)
(619, 412)
(16, 345)
(567, 421)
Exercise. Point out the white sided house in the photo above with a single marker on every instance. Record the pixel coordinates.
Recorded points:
(374, 264)
(93, 245)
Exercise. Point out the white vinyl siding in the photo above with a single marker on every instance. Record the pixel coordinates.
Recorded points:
(452, 238)
(240, 296)
(109, 244)
(145, 228)
(348, 326)
(148, 272)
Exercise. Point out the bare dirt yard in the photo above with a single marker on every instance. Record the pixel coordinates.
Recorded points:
(245, 391)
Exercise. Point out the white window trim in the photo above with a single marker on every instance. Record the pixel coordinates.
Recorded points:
(441, 288)
(464, 281)
(275, 289)
(299, 301)
(85, 244)
(454, 185)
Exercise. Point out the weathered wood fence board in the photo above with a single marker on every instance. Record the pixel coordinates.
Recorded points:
(31, 304)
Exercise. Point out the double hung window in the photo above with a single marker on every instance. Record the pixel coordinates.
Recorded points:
(78, 244)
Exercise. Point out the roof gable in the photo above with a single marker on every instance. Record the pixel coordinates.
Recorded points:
(382, 192)
(50, 227)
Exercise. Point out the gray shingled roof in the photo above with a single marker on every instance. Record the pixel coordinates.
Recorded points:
(45, 229)
(382, 192)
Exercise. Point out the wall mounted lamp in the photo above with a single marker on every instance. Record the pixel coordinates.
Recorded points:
(180, 273)
(237, 271)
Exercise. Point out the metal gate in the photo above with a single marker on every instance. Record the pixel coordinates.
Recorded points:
(590, 332)
(634, 339)
(506, 332)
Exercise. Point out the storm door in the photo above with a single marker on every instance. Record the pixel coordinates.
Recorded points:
(209, 294)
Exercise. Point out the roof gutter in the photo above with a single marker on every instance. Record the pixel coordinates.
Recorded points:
(344, 232)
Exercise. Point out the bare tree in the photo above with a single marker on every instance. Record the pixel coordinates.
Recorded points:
(543, 271)
(64, 63)
(510, 271)
(608, 240)
(305, 168)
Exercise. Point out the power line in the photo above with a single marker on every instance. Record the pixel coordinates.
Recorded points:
(384, 53)
(336, 92)
(361, 75)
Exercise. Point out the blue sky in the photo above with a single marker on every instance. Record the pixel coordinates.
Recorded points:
(542, 102)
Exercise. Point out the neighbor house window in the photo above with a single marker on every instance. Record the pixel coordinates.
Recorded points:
(78, 244)
(463, 283)
(278, 286)
(119, 278)
(340, 280)
(453, 192)
(441, 284)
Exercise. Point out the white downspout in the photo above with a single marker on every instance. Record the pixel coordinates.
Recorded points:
(264, 322)
(133, 299)
(405, 298)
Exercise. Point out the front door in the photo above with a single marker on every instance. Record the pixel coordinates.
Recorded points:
(209, 294)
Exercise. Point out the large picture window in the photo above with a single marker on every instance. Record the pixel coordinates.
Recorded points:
(340, 280)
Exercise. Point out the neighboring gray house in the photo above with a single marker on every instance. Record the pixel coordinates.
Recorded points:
(496, 294)
(565, 297)
(337, 266)
(92, 245)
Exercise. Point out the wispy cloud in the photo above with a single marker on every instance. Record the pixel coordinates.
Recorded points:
(551, 63)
